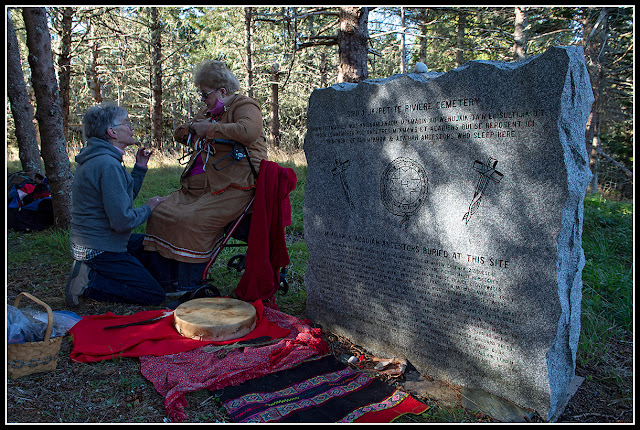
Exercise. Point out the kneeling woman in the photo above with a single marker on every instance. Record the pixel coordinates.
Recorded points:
(106, 255)
(214, 192)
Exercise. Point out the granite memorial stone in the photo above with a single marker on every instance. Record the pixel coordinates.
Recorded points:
(443, 218)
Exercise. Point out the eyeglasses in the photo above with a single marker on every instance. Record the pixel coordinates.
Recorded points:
(125, 123)
(204, 95)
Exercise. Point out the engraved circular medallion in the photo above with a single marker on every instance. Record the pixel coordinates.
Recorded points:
(403, 187)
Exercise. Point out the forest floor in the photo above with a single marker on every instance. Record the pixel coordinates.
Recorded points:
(115, 391)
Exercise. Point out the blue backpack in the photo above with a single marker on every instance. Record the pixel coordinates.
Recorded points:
(29, 206)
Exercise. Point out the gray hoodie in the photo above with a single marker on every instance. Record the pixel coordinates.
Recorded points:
(102, 193)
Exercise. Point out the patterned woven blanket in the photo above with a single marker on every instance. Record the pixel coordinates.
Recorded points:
(319, 390)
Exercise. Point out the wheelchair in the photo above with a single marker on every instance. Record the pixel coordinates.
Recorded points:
(238, 229)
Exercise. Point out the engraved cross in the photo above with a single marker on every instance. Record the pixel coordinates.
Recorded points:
(487, 172)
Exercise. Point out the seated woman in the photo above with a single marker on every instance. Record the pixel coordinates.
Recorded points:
(214, 192)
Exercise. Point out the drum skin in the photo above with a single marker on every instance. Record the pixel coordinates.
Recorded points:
(215, 319)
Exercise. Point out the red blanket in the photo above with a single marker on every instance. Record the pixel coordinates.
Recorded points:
(267, 248)
(175, 375)
(91, 342)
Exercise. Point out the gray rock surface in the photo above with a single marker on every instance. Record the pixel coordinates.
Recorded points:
(443, 218)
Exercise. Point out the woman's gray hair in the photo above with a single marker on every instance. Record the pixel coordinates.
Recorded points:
(215, 74)
(100, 117)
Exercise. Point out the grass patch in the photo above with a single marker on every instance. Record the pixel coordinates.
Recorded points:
(159, 181)
(607, 295)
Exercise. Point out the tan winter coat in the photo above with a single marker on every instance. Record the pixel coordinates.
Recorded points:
(187, 225)
(241, 122)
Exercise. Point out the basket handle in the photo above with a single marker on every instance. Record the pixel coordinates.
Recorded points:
(47, 334)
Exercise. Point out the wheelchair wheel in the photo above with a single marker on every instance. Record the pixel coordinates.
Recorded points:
(284, 284)
(237, 262)
(206, 290)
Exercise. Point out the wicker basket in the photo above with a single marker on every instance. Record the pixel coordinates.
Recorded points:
(34, 357)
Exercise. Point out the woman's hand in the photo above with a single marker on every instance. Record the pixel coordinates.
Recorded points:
(199, 127)
(155, 201)
(142, 156)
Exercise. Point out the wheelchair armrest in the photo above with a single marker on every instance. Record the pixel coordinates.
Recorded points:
(238, 152)
(226, 142)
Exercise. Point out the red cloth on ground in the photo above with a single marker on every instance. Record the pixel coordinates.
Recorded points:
(267, 248)
(408, 405)
(91, 342)
(175, 375)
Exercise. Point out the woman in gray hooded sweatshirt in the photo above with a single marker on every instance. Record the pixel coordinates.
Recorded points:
(102, 215)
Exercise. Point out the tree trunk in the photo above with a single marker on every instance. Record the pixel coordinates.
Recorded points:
(352, 44)
(323, 70)
(49, 113)
(592, 140)
(274, 131)
(403, 51)
(247, 46)
(93, 78)
(422, 53)
(64, 66)
(593, 47)
(462, 24)
(21, 108)
(520, 34)
(156, 79)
